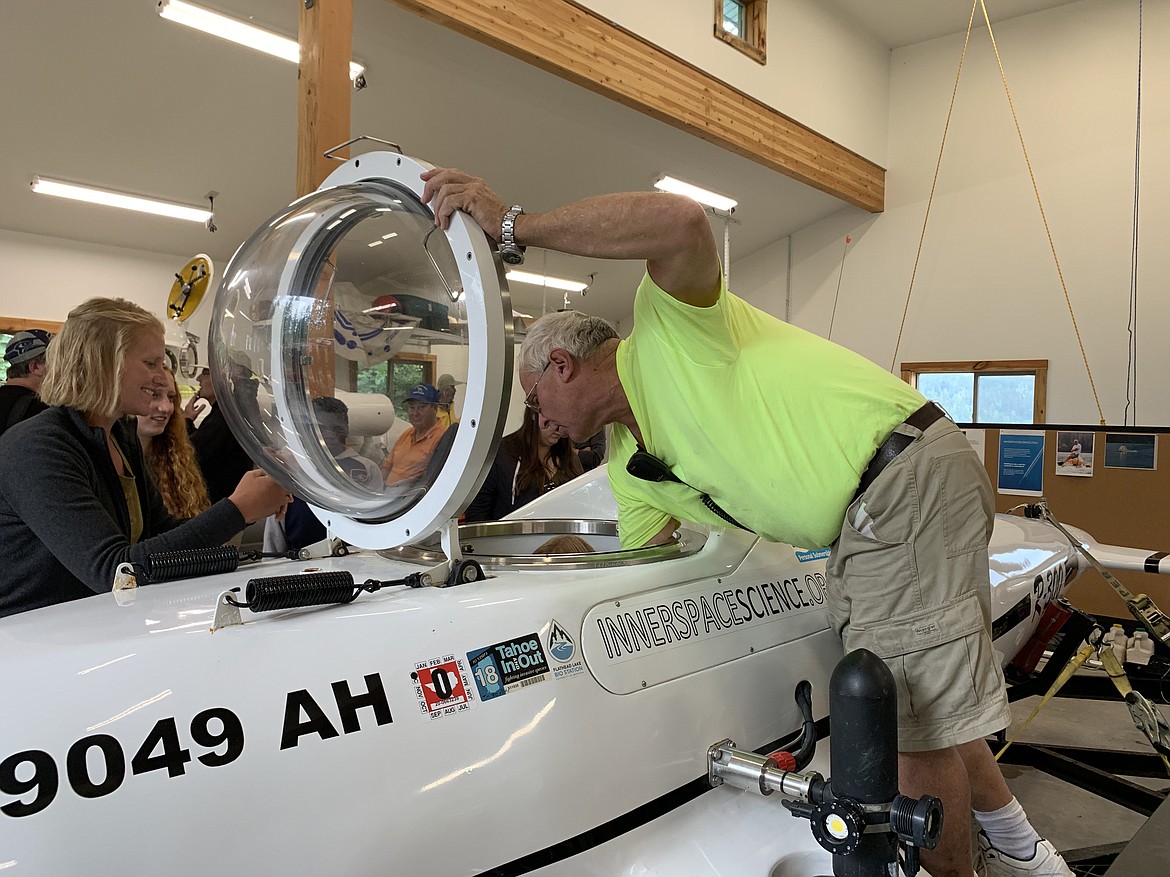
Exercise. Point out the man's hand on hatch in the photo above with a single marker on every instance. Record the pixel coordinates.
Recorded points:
(449, 189)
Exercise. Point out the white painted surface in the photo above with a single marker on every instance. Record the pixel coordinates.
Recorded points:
(986, 286)
(823, 70)
(45, 278)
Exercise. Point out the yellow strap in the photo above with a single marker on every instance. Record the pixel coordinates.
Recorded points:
(1116, 671)
(1121, 683)
(1066, 674)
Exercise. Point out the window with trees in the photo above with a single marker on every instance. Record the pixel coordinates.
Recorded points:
(988, 391)
(396, 377)
(742, 24)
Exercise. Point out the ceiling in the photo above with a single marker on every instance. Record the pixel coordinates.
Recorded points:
(118, 97)
(896, 23)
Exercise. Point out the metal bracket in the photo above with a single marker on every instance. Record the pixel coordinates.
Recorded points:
(449, 539)
(453, 292)
(330, 153)
(124, 577)
(226, 614)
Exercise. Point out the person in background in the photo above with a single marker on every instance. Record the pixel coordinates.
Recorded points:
(170, 458)
(592, 452)
(25, 355)
(446, 386)
(76, 502)
(221, 458)
(408, 458)
(333, 420)
(566, 543)
(535, 458)
(300, 526)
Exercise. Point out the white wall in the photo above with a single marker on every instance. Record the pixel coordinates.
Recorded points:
(986, 286)
(762, 278)
(44, 278)
(819, 71)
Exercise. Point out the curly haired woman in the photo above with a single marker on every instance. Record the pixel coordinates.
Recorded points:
(170, 456)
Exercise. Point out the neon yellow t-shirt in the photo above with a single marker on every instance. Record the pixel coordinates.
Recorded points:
(775, 423)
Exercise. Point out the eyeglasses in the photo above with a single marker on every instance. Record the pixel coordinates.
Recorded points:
(530, 401)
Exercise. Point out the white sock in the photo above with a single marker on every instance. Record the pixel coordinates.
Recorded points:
(1009, 830)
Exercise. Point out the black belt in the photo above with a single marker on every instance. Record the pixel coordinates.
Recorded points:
(898, 442)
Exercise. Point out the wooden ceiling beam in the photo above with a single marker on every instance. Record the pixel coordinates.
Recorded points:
(581, 46)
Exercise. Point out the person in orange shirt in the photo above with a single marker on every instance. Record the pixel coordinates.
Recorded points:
(408, 458)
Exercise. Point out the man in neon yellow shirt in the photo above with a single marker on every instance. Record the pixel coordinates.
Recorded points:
(774, 429)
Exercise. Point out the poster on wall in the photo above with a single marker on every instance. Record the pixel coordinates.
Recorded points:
(1074, 453)
(978, 441)
(1130, 450)
(1021, 455)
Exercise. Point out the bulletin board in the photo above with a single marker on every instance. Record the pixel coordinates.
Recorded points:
(1120, 506)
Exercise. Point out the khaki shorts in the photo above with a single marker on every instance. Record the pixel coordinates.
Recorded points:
(908, 580)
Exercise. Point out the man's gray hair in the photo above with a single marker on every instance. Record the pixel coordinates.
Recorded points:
(579, 334)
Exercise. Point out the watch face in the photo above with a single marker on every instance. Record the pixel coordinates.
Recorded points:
(512, 257)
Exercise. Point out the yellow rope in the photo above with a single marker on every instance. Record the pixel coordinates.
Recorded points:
(1035, 190)
(933, 183)
(1043, 216)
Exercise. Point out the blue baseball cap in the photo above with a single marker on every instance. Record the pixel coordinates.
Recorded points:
(423, 393)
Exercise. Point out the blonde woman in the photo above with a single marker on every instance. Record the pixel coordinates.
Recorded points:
(75, 500)
(170, 456)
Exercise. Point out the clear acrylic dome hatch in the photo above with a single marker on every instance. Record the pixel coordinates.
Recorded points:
(326, 320)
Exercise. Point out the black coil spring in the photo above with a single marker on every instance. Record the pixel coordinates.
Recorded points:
(188, 563)
(307, 589)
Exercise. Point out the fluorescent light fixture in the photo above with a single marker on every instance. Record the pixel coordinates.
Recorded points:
(43, 186)
(238, 32)
(703, 196)
(382, 239)
(541, 280)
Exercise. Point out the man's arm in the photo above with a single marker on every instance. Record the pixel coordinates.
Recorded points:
(664, 535)
(670, 232)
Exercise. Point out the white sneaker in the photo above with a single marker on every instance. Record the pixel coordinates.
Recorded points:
(1045, 862)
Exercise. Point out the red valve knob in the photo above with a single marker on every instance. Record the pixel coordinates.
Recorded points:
(783, 760)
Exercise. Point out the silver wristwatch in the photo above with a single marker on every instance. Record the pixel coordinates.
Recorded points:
(510, 253)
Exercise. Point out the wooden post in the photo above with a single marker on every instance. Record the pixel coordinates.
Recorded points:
(323, 107)
(324, 88)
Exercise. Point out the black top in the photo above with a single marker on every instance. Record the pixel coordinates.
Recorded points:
(64, 524)
(592, 450)
(496, 499)
(18, 403)
(221, 459)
